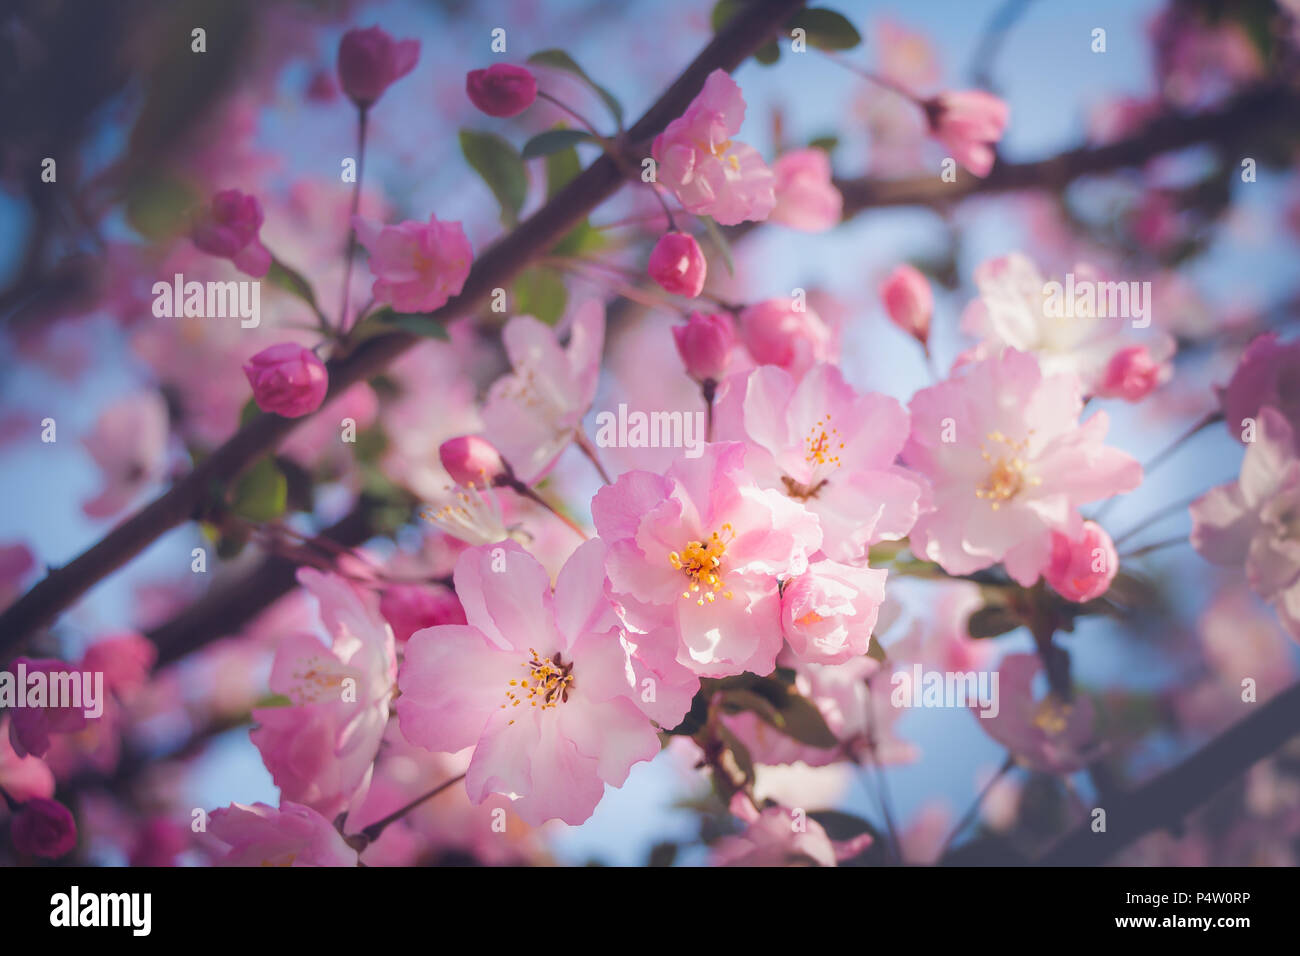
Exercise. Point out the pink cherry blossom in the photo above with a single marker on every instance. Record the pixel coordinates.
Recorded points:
(705, 343)
(829, 448)
(1081, 567)
(677, 263)
(1251, 521)
(22, 777)
(1010, 463)
(320, 746)
(228, 227)
(31, 727)
(856, 710)
(124, 659)
(417, 266)
(829, 611)
(969, 123)
(129, 444)
(787, 334)
(533, 412)
(538, 682)
(370, 61)
(711, 174)
(503, 89)
(1046, 734)
(702, 546)
(1132, 374)
(780, 837)
(1012, 312)
(290, 835)
(806, 199)
(1268, 373)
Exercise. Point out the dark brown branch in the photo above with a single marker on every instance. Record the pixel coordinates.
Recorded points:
(225, 608)
(496, 267)
(1167, 798)
(1236, 123)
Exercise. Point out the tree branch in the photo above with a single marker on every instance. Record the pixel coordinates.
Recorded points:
(225, 608)
(749, 29)
(1183, 787)
(1235, 123)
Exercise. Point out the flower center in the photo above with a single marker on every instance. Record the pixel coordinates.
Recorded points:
(701, 562)
(1007, 478)
(548, 683)
(821, 445)
(1052, 715)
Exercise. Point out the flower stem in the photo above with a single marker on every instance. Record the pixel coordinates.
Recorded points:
(362, 115)
(584, 445)
(372, 833)
(969, 815)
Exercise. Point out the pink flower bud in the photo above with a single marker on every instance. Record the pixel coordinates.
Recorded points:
(1132, 374)
(909, 301)
(677, 263)
(42, 827)
(786, 333)
(371, 60)
(228, 228)
(968, 122)
(705, 343)
(413, 607)
(501, 89)
(1081, 569)
(288, 380)
(471, 460)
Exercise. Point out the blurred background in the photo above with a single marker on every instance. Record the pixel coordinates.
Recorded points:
(142, 129)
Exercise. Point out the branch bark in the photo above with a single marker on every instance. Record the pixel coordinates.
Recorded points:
(496, 267)
(1247, 115)
(1171, 795)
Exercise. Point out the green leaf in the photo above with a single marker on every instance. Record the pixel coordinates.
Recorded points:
(826, 29)
(501, 168)
(826, 144)
(804, 722)
(292, 281)
(777, 704)
(992, 620)
(554, 141)
(768, 53)
(875, 651)
(739, 752)
(261, 493)
(559, 60)
(156, 206)
(581, 239)
(541, 293)
(723, 11)
(248, 412)
(720, 241)
(417, 323)
(562, 167)
(274, 700)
